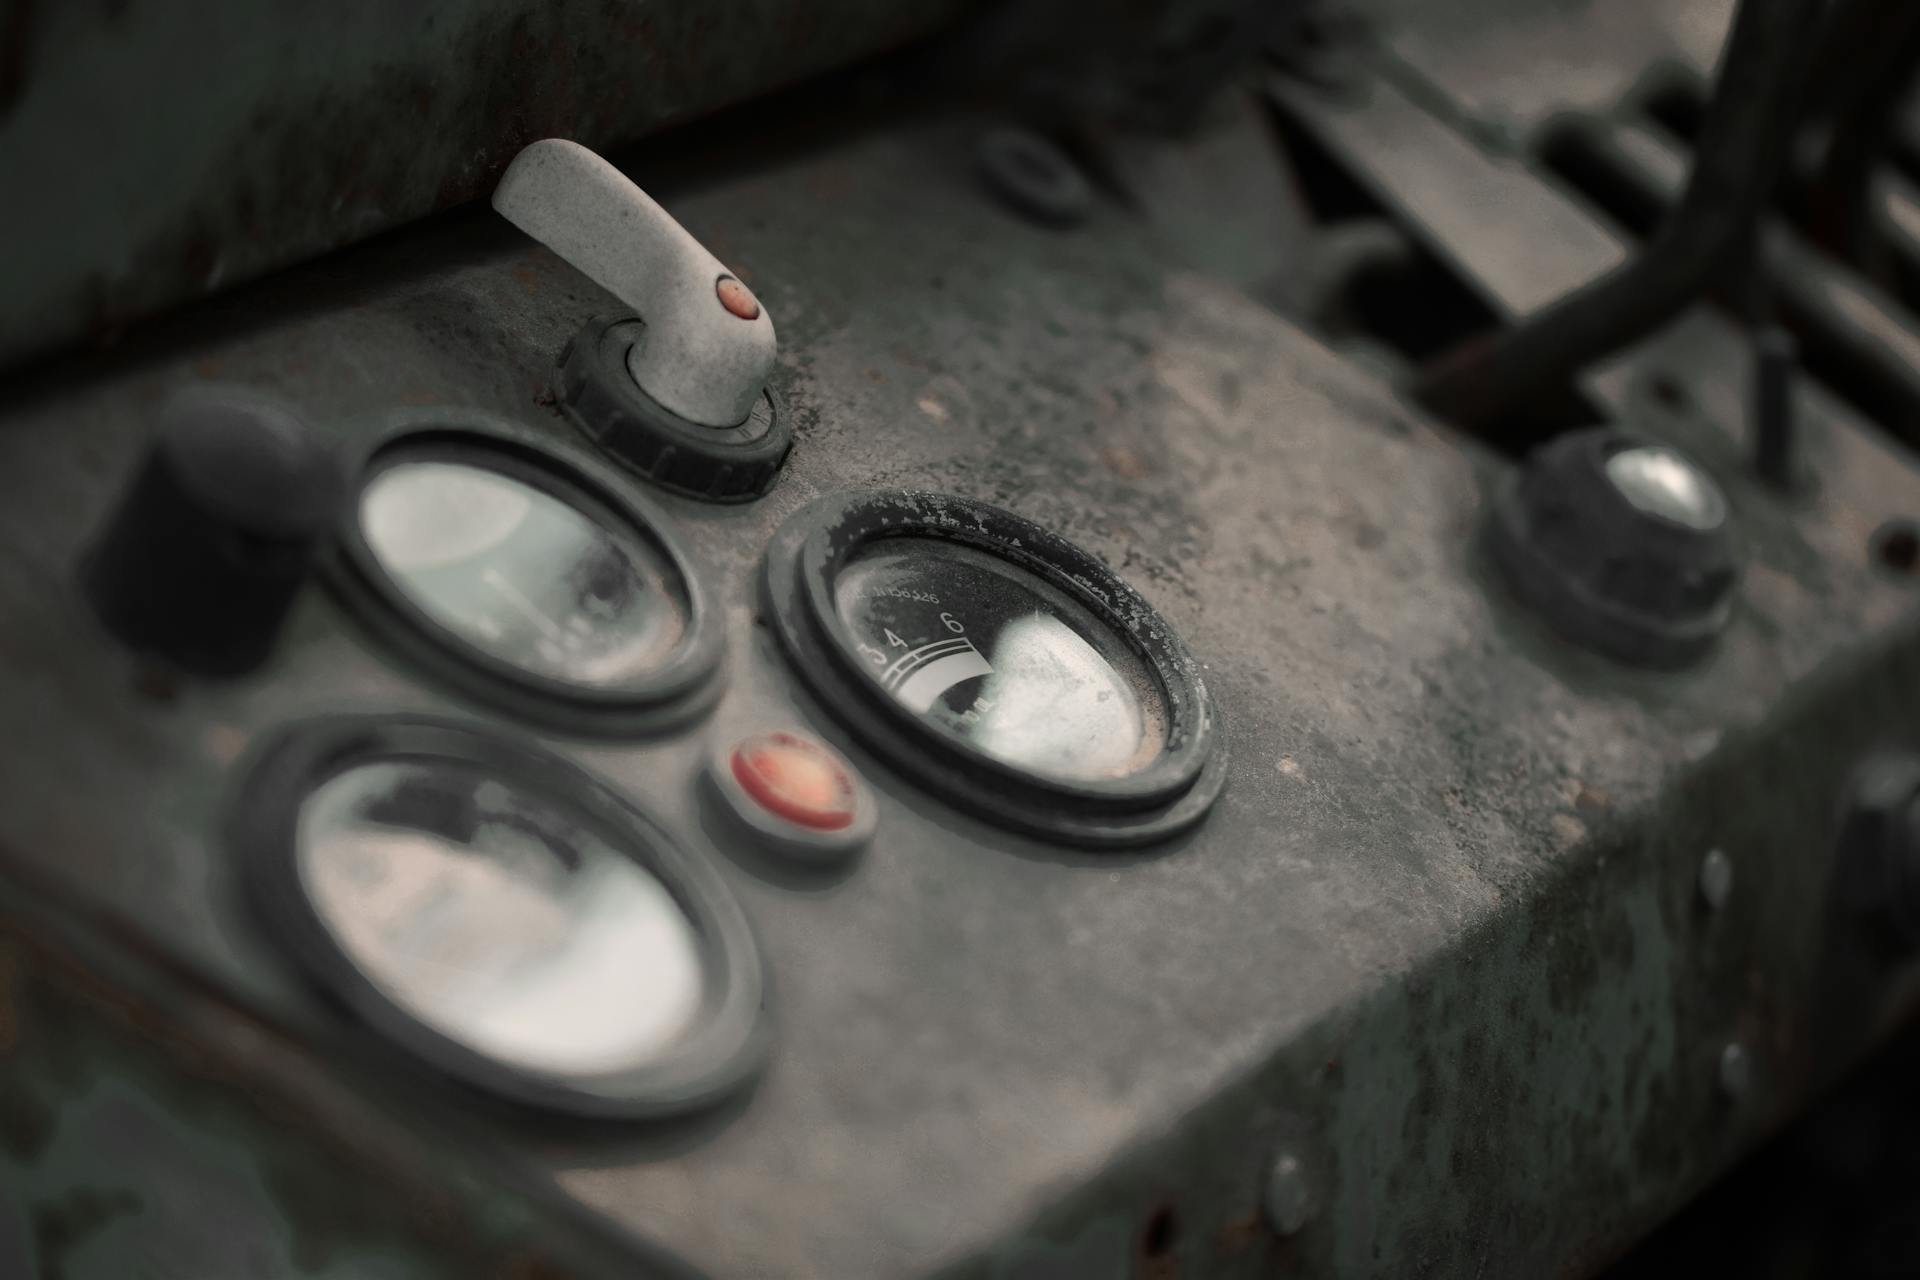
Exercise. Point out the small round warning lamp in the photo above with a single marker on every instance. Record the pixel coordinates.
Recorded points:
(797, 793)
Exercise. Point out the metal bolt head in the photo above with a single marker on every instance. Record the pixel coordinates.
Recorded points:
(1289, 1195)
(1736, 1071)
(1620, 543)
(1716, 879)
(1034, 177)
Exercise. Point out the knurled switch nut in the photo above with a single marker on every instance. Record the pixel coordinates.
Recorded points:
(716, 464)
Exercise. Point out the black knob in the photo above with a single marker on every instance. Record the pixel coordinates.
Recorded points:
(1622, 544)
(201, 560)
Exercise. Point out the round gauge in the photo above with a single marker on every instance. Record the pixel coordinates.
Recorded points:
(1002, 658)
(501, 914)
(530, 578)
(998, 663)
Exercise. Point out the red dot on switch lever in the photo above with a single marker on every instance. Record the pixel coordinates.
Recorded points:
(737, 298)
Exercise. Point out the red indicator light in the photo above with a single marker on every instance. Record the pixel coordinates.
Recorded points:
(795, 779)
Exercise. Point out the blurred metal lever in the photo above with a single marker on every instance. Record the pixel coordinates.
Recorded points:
(1742, 150)
(708, 344)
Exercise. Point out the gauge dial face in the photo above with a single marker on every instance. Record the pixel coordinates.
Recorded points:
(524, 576)
(498, 920)
(1002, 658)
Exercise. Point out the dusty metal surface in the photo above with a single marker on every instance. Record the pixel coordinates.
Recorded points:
(1508, 68)
(1436, 935)
(152, 160)
(1483, 214)
(1433, 991)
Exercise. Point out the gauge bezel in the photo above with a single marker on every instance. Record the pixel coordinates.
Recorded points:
(716, 1058)
(803, 563)
(686, 684)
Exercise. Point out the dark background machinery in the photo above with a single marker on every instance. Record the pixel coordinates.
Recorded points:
(1452, 946)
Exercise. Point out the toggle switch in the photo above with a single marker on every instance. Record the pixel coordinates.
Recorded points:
(708, 343)
(678, 389)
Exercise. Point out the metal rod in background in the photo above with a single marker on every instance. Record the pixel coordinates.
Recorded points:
(1776, 360)
(1742, 149)
(1866, 61)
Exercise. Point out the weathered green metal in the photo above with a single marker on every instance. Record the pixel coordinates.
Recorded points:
(153, 155)
(150, 1127)
(1441, 941)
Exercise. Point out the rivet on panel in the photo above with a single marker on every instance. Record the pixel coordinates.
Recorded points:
(1289, 1194)
(1736, 1071)
(1716, 879)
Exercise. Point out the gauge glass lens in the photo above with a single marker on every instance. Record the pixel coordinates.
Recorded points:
(524, 576)
(497, 920)
(1004, 659)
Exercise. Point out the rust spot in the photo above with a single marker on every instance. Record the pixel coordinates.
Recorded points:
(1568, 831)
(1668, 391)
(874, 375)
(1158, 1240)
(1591, 799)
(225, 742)
(156, 682)
(207, 367)
(528, 278)
(1124, 462)
(1236, 1235)
(524, 1267)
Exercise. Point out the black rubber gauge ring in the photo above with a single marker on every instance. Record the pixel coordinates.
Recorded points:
(1170, 793)
(684, 685)
(718, 1054)
(715, 464)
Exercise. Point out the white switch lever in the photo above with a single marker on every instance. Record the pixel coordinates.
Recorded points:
(708, 343)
